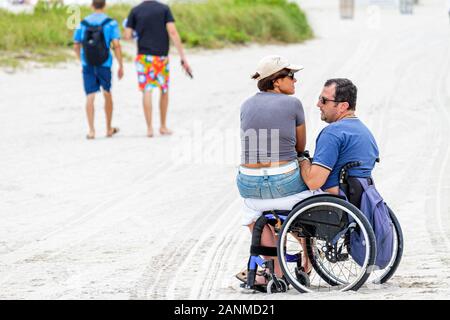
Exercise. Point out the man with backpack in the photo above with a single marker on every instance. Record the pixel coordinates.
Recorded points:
(154, 24)
(93, 39)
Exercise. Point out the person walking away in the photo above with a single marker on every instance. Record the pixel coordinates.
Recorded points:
(154, 24)
(93, 39)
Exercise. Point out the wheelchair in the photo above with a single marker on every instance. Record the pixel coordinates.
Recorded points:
(324, 223)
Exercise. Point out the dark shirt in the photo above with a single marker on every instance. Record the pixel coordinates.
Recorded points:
(149, 20)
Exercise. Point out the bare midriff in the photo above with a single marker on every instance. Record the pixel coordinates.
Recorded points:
(264, 165)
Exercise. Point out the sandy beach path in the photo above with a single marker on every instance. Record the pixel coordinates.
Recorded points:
(138, 218)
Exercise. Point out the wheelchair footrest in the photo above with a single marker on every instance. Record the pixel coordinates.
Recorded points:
(258, 287)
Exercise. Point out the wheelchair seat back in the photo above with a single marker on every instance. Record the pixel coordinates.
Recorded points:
(355, 190)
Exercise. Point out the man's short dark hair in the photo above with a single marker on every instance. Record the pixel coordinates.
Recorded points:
(98, 4)
(346, 91)
(267, 83)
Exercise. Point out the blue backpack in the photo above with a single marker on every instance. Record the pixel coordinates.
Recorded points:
(377, 212)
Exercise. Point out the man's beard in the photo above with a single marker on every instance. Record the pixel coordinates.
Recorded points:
(324, 118)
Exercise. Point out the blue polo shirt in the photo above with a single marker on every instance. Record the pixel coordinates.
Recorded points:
(344, 141)
(111, 32)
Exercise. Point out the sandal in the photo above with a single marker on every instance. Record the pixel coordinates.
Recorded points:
(256, 287)
(114, 131)
(242, 276)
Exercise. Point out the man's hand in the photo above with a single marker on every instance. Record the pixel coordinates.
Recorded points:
(302, 158)
(128, 34)
(173, 34)
(304, 154)
(77, 49)
(186, 67)
(120, 72)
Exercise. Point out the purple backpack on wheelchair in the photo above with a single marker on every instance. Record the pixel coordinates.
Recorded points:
(376, 211)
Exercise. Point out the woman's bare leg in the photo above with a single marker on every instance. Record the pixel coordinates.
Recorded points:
(268, 239)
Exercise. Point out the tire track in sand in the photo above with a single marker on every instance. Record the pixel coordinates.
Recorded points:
(157, 276)
(81, 228)
(438, 225)
(207, 254)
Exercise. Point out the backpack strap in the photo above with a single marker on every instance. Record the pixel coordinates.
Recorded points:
(86, 24)
(106, 21)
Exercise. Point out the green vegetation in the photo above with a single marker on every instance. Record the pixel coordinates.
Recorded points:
(45, 35)
(214, 24)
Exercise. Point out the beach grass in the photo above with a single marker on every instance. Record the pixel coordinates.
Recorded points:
(46, 33)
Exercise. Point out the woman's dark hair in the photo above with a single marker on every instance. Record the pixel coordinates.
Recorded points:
(98, 4)
(267, 83)
(346, 91)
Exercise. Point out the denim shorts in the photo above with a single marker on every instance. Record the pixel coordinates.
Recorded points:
(270, 187)
(96, 77)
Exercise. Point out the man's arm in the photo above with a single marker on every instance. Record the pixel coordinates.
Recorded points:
(77, 49)
(128, 34)
(173, 34)
(118, 54)
(313, 175)
(325, 158)
(129, 26)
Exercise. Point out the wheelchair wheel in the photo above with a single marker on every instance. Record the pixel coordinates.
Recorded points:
(302, 277)
(320, 220)
(380, 276)
(272, 288)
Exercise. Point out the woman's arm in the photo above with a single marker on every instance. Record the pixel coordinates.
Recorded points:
(301, 138)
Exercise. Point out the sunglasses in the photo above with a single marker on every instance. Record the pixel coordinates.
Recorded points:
(324, 100)
(291, 75)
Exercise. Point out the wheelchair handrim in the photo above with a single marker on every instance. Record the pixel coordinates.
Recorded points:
(346, 210)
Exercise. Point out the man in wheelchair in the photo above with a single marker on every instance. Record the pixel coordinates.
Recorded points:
(345, 140)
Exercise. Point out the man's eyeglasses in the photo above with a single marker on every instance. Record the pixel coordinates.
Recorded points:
(324, 100)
